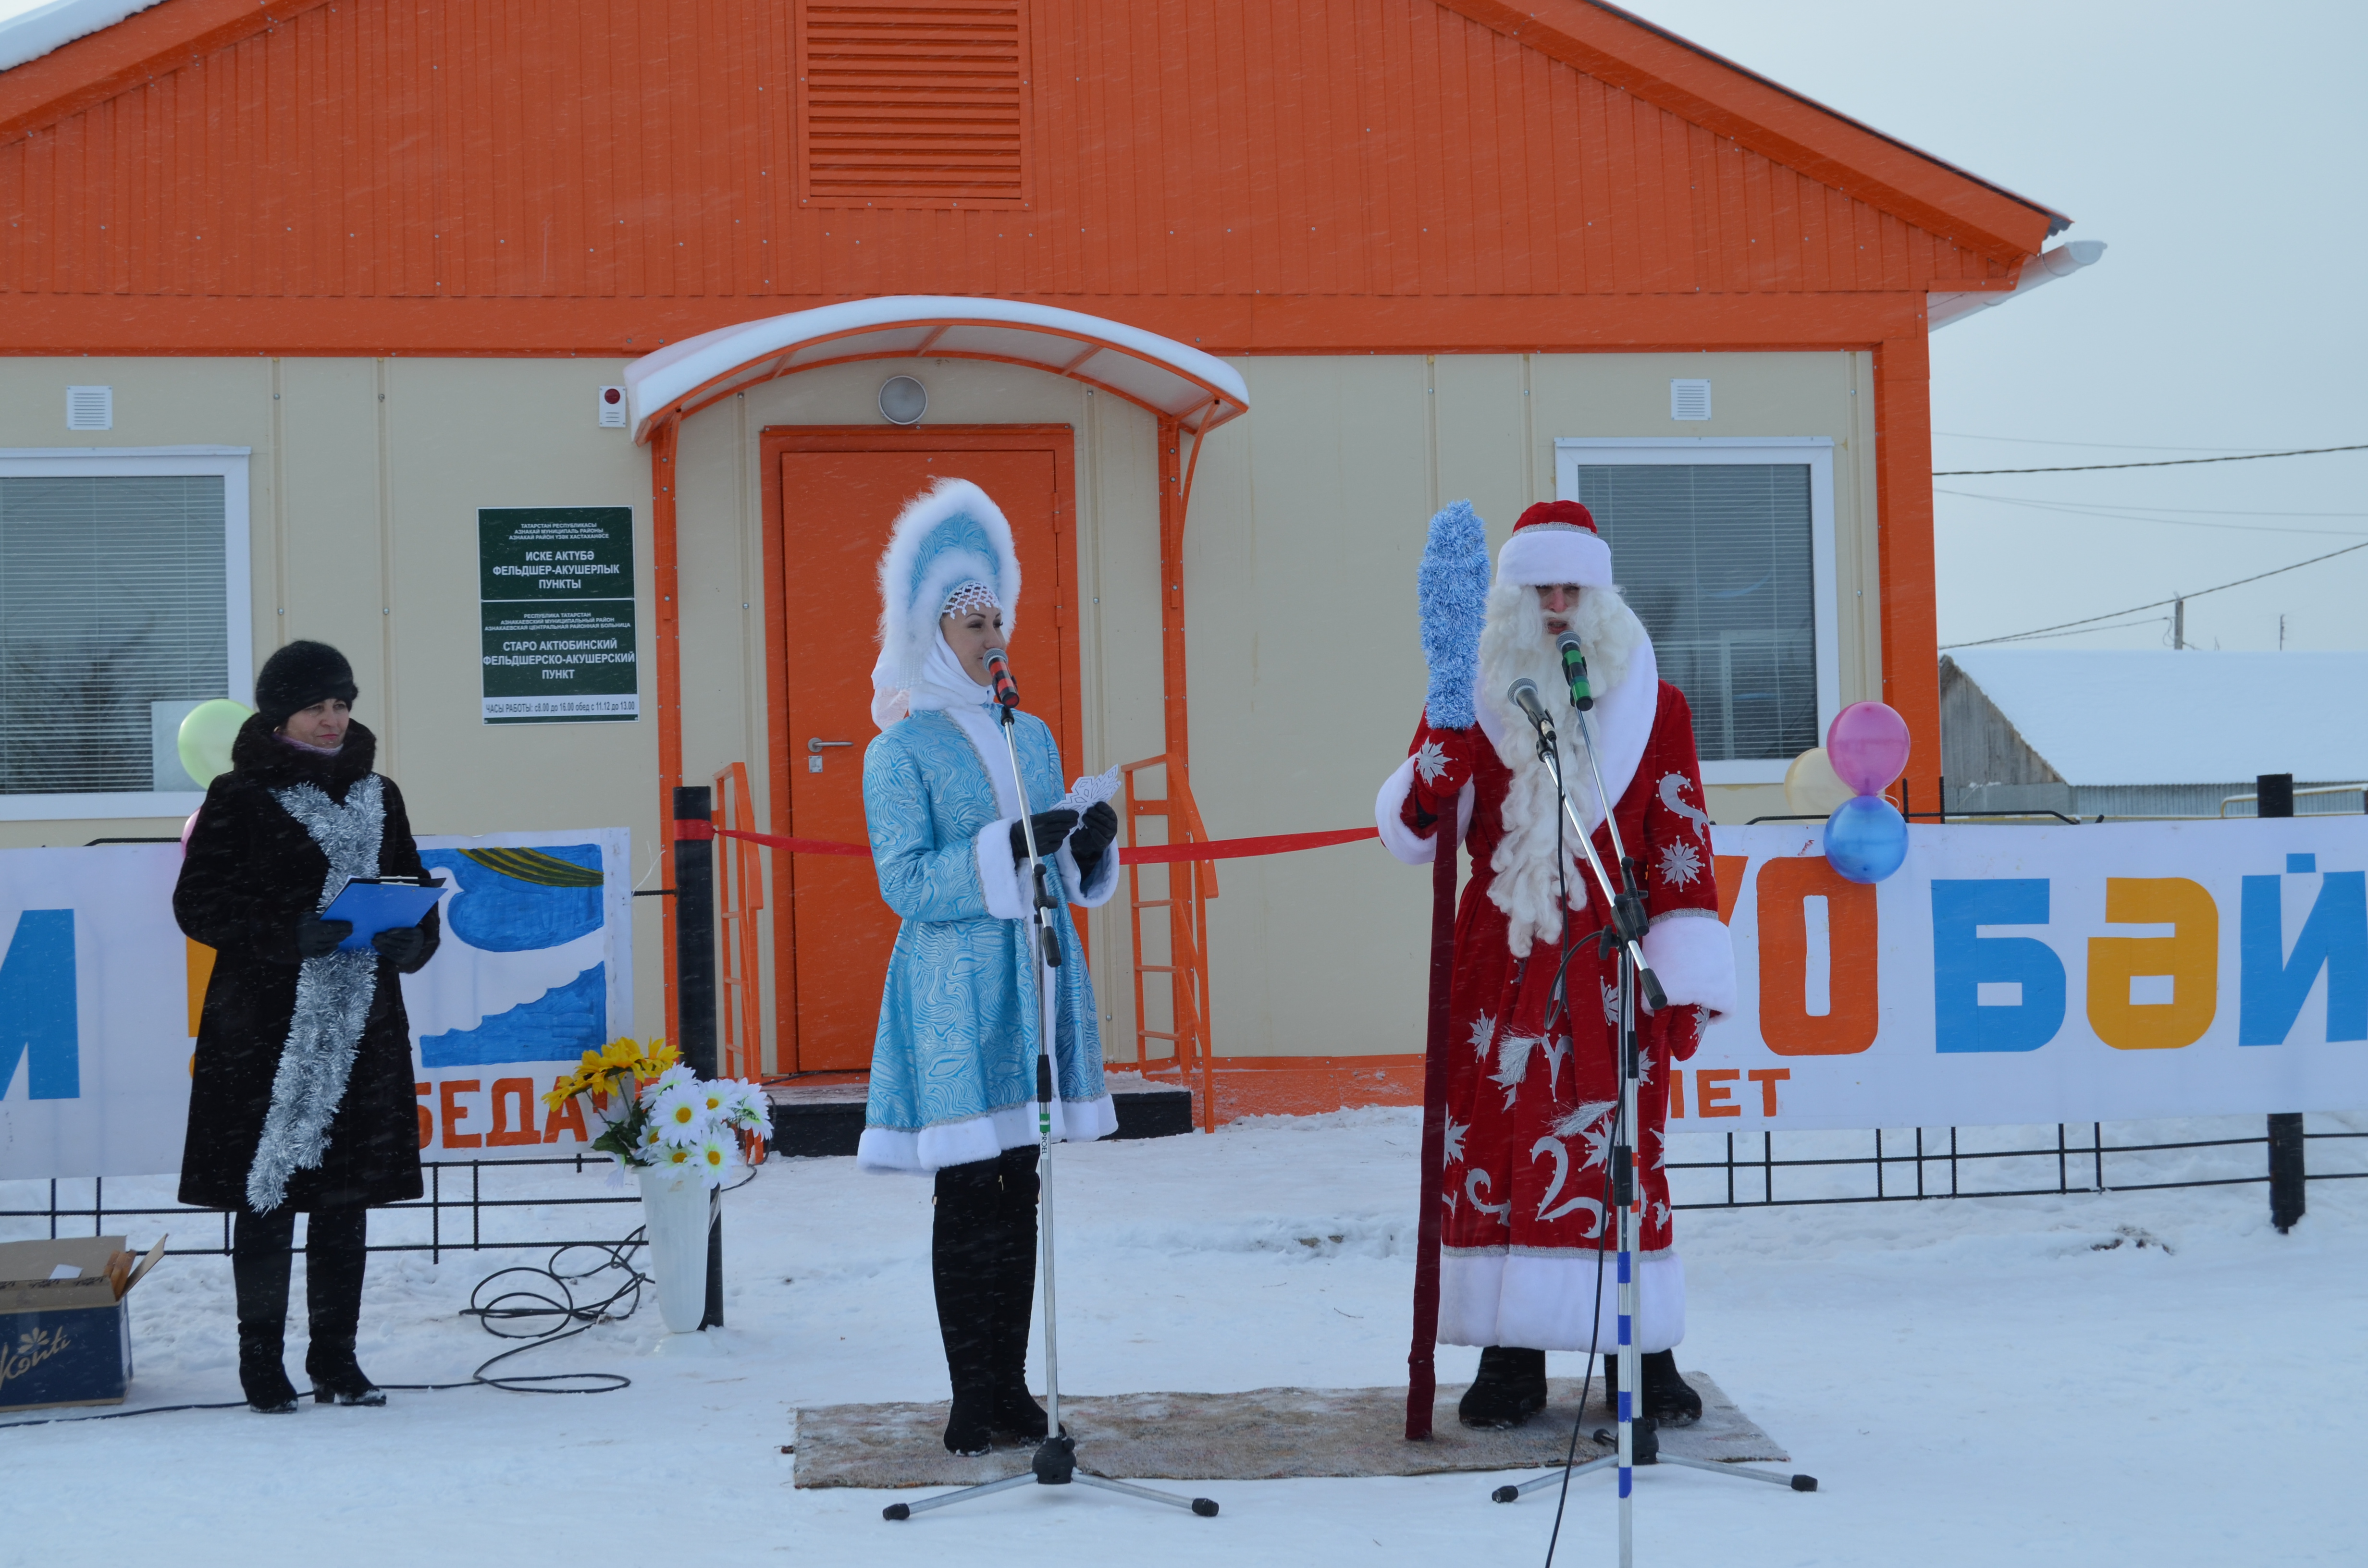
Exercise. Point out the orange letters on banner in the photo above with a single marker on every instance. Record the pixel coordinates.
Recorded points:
(506, 1093)
(1727, 870)
(568, 1118)
(456, 1114)
(1767, 1078)
(2189, 957)
(1717, 1085)
(427, 1121)
(1785, 1022)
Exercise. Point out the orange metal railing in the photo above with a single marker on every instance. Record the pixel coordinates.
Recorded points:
(740, 899)
(1189, 885)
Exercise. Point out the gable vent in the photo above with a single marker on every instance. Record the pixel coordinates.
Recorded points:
(915, 104)
(90, 408)
(1690, 400)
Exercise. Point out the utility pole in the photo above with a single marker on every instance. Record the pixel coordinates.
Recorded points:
(2179, 621)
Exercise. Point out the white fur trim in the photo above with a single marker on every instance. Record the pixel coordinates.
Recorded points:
(1540, 1299)
(1398, 838)
(1692, 955)
(1546, 553)
(887, 1149)
(908, 611)
(998, 874)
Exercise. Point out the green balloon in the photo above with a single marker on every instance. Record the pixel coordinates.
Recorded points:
(205, 738)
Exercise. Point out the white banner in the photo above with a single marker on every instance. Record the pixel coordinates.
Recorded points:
(99, 994)
(2012, 973)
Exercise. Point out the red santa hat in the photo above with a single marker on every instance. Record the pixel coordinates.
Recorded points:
(1555, 541)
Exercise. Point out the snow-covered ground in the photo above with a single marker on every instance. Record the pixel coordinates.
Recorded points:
(1974, 1381)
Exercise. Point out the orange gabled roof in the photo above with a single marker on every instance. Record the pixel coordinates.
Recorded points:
(1243, 176)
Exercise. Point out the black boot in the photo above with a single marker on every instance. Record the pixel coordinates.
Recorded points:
(1510, 1389)
(1668, 1398)
(1017, 1416)
(258, 1271)
(962, 1264)
(336, 1254)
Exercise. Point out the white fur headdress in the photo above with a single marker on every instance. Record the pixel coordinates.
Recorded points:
(949, 534)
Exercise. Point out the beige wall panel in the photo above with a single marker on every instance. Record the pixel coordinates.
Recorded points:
(330, 582)
(1308, 522)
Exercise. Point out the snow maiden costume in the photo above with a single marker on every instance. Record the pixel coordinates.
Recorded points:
(1532, 1089)
(300, 1092)
(968, 1005)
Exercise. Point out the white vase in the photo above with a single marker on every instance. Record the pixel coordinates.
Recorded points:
(673, 1210)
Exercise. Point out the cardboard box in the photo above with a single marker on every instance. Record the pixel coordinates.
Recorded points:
(66, 1324)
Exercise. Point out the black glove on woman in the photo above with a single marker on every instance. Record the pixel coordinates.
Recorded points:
(1050, 828)
(1093, 837)
(401, 946)
(315, 936)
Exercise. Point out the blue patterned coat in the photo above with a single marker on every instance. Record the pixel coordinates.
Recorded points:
(960, 1013)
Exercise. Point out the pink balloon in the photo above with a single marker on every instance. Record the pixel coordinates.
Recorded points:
(1867, 743)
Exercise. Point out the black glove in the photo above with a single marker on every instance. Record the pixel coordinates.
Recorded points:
(315, 936)
(401, 946)
(1050, 828)
(1093, 837)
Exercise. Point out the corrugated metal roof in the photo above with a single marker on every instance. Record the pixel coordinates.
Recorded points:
(2104, 717)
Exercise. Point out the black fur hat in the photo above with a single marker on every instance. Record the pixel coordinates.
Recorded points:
(297, 677)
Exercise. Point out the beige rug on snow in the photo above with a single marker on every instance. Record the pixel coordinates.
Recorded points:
(1264, 1435)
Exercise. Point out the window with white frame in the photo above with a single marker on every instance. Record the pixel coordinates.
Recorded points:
(1724, 549)
(123, 604)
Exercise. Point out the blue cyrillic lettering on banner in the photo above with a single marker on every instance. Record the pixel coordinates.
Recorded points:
(36, 1007)
(2334, 937)
(1963, 961)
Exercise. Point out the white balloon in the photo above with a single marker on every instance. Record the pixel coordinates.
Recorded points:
(1811, 786)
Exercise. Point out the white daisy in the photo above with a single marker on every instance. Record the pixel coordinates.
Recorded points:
(681, 1115)
(715, 1154)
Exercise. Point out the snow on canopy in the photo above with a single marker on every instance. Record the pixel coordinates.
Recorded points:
(30, 34)
(2104, 716)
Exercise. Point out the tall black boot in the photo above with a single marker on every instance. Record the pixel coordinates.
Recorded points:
(962, 1267)
(258, 1271)
(1668, 1399)
(1016, 1412)
(336, 1254)
(1510, 1389)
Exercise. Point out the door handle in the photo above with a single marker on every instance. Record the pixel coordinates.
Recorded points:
(816, 744)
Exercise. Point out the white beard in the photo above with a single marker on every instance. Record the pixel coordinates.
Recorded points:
(1514, 643)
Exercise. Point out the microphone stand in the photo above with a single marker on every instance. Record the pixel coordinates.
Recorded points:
(1055, 1463)
(1638, 1440)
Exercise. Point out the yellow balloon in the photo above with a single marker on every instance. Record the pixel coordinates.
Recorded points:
(1811, 786)
(205, 738)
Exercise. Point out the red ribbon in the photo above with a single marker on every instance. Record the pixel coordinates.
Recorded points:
(1149, 854)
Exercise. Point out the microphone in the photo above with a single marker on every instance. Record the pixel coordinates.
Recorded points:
(999, 673)
(1574, 670)
(1524, 694)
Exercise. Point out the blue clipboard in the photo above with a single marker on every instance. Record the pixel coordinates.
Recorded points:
(375, 907)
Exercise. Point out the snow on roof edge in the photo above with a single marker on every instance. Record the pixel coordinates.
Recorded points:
(31, 34)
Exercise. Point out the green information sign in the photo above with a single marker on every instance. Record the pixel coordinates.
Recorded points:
(555, 589)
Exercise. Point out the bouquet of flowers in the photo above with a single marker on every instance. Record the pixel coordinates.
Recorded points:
(664, 1116)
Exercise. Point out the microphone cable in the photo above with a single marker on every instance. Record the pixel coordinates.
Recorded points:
(519, 1304)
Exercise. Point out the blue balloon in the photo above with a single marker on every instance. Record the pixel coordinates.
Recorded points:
(1866, 838)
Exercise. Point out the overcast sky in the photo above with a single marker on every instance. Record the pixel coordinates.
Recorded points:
(2217, 151)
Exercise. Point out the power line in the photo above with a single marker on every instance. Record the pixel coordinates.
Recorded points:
(2158, 462)
(2097, 446)
(2148, 511)
(2121, 515)
(2090, 621)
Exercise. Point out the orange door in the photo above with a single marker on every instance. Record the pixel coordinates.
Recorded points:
(835, 506)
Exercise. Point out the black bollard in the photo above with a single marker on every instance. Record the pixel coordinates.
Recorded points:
(694, 945)
(2273, 797)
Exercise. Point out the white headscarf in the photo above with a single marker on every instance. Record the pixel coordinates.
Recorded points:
(944, 683)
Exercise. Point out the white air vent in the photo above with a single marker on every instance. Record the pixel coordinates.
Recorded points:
(612, 408)
(90, 408)
(1690, 400)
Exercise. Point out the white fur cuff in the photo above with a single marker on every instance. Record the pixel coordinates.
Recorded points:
(1691, 953)
(1401, 840)
(1090, 893)
(998, 878)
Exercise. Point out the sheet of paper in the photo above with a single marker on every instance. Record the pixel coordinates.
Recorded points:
(66, 1271)
(1090, 791)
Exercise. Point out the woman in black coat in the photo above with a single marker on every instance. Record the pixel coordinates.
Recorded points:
(302, 1097)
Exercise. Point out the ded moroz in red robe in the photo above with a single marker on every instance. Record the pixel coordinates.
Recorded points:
(1530, 1108)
